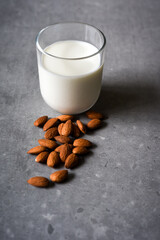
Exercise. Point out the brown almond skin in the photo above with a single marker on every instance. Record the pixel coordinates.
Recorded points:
(81, 126)
(58, 149)
(76, 132)
(53, 159)
(94, 115)
(50, 123)
(42, 157)
(37, 150)
(80, 150)
(41, 121)
(94, 123)
(64, 118)
(60, 126)
(67, 128)
(71, 161)
(65, 152)
(38, 181)
(48, 143)
(81, 142)
(51, 133)
(59, 176)
(62, 139)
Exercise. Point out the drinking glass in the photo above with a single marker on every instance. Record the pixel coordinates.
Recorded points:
(70, 84)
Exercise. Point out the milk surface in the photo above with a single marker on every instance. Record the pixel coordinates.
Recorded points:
(70, 85)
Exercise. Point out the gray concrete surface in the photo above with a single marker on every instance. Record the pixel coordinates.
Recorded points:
(115, 193)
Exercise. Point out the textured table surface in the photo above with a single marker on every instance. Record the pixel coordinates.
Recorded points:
(115, 193)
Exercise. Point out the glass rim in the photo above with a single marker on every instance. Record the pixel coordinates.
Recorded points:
(51, 55)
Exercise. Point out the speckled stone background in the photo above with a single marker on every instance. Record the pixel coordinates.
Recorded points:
(115, 193)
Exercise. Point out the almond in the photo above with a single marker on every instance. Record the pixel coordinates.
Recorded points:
(64, 118)
(76, 131)
(81, 126)
(62, 139)
(41, 121)
(58, 149)
(80, 150)
(50, 123)
(60, 126)
(67, 128)
(38, 181)
(71, 161)
(59, 176)
(51, 133)
(65, 152)
(37, 150)
(94, 115)
(48, 143)
(42, 157)
(81, 142)
(94, 123)
(53, 159)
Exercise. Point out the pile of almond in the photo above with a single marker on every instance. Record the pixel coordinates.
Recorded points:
(62, 144)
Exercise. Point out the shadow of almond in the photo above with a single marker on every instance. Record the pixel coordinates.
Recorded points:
(103, 125)
(93, 145)
(81, 161)
(51, 184)
(71, 176)
(90, 153)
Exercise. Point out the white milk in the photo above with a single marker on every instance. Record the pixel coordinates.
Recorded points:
(70, 86)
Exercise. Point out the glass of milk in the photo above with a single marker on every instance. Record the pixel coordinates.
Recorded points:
(70, 65)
